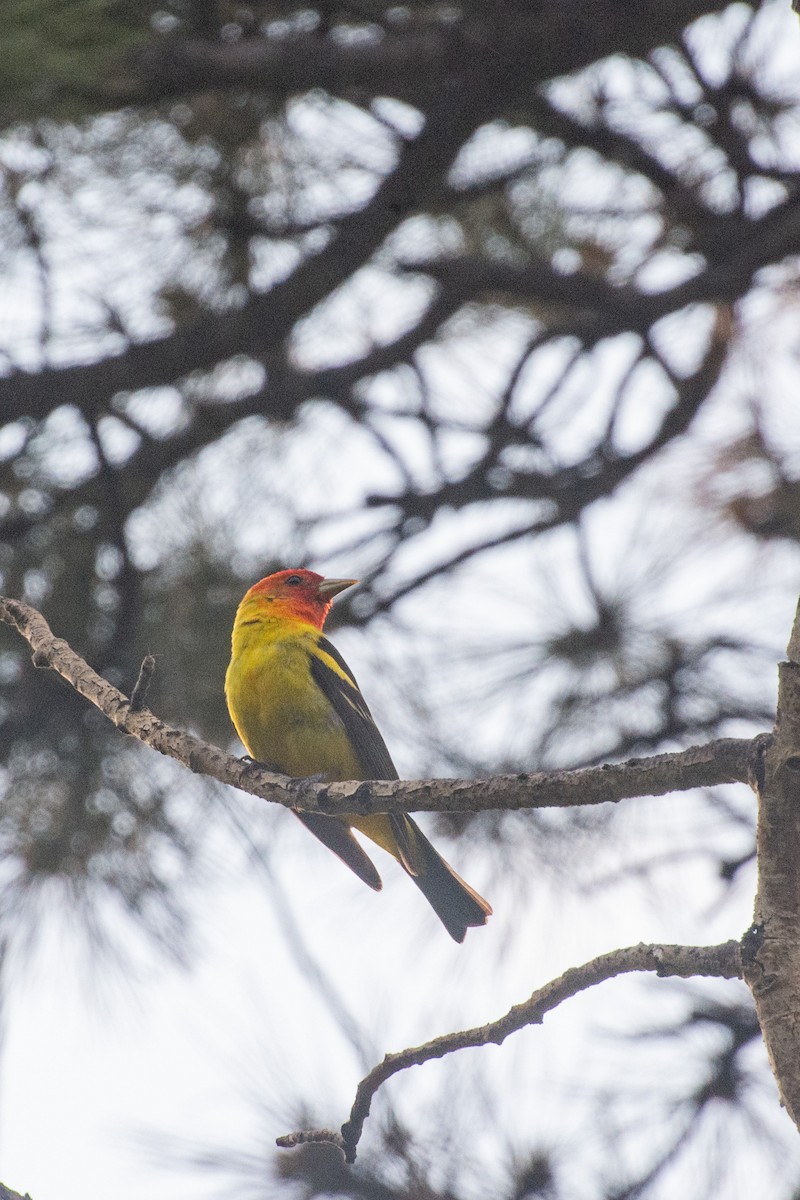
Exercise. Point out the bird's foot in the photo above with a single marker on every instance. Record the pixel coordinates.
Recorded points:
(303, 781)
(249, 761)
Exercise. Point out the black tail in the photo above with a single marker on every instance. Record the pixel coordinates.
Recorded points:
(456, 904)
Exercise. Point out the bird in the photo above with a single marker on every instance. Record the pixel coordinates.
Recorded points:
(298, 710)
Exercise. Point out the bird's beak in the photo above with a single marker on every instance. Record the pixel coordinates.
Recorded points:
(331, 587)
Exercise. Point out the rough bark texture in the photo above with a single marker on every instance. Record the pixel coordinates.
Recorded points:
(7, 1194)
(772, 950)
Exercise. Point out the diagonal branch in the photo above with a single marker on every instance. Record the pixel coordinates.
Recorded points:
(720, 962)
(571, 489)
(7, 1194)
(727, 760)
(260, 326)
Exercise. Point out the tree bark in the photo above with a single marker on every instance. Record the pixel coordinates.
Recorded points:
(771, 952)
(7, 1194)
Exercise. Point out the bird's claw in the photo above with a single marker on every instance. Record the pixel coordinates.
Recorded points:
(259, 764)
(297, 784)
(304, 780)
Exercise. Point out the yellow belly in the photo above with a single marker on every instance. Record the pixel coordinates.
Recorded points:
(281, 715)
(286, 722)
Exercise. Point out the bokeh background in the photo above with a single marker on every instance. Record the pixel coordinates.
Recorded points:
(497, 307)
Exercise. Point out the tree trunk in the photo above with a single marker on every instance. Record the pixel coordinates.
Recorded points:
(772, 951)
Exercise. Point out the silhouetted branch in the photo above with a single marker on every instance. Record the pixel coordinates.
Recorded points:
(720, 962)
(549, 40)
(261, 325)
(615, 308)
(727, 760)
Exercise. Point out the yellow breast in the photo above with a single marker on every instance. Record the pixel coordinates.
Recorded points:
(281, 716)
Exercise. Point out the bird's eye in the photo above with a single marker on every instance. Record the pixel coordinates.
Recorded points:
(294, 579)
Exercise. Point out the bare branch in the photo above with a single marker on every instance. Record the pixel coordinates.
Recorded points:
(7, 1194)
(727, 760)
(611, 308)
(304, 1136)
(720, 962)
(548, 41)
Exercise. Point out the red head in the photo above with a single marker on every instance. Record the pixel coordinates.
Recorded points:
(295, 593)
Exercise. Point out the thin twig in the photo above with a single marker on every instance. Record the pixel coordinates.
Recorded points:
(142, 685)
(304, 1136)
(720, 962)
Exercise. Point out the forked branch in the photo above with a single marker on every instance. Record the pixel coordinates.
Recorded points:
(720, 962)
(770, 763)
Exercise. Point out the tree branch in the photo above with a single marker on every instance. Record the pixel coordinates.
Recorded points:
(720, 962)
(613, 308)
(548, 41)
(727, 760)
(7, 1194)
(262, 324)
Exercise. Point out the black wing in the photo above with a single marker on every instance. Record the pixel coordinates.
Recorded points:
(351, 708)
(334, 833)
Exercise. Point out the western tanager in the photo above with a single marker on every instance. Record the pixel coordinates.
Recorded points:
(297, 708)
